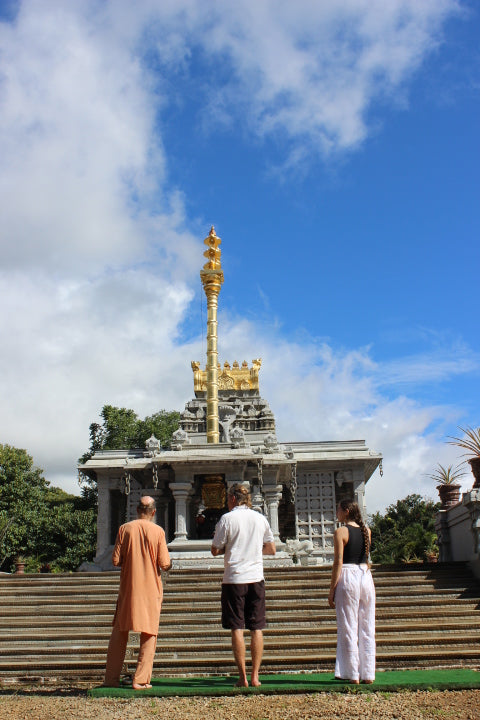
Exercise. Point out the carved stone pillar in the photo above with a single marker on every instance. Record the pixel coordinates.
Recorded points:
(162, 515)
(104, 516)
(359, 496)
(180, 492)
(273, 495)
(133, 500)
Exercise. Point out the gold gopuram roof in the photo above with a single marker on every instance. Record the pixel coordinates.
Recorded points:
(233, 377)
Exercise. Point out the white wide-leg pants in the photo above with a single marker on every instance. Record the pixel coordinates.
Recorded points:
(355, 608)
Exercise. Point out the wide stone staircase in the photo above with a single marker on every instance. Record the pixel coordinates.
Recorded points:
(57, 626)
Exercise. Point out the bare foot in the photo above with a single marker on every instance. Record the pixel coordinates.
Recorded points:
(354, 682)
(255, 683)
(367, 682)
(145, 686)
(241, 683)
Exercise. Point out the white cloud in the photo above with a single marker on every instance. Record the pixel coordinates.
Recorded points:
(318, 393)
(76, 143)
(113, 341)
(97, 256)
(311, 70)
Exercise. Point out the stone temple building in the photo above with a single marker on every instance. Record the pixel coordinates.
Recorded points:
(227, 435)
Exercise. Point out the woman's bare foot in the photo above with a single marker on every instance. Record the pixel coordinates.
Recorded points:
(145, 686)
(354, 682)
(367, 682)
(241, 683)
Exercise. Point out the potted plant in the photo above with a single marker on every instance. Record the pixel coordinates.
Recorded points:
(448, 488)
(19, 565)
(471, 443)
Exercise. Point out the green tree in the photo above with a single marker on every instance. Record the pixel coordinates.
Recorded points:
(22, 503)
(122, 429)
(405, 532)
(68, 534)
(44, 524)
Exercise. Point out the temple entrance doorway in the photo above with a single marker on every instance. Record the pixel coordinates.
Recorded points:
(209, 503)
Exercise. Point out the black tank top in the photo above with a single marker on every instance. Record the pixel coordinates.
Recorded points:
(354, 550)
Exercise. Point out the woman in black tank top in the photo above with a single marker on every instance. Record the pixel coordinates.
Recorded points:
(352, 594)
(354, 550)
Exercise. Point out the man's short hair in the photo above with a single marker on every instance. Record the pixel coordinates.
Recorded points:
(147, 506)
(241, 494)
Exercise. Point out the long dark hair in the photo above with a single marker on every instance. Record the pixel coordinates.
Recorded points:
(354, 514)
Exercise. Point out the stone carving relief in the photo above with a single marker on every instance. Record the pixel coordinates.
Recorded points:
(152, 445)
(226, 418)
(237, 437)
(252, 414)
(258, 501)
(179, 438)
(271, 443)
(300, 548)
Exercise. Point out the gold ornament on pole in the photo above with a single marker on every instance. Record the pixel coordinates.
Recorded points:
(212, 278)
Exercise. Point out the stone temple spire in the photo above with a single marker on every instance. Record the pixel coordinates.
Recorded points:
(212, 278)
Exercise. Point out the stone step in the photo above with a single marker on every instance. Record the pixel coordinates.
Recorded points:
(199, 607)
(209, 592)
(175, 646)
(223, 660)
(308, 578)
(395, 573)
(323, 615)
(58, 626)
(51, 631)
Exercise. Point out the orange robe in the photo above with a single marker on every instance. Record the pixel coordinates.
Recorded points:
(140, 549)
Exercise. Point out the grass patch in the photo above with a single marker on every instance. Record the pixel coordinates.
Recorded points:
(385, 682)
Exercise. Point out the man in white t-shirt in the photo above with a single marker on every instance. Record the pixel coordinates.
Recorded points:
(244, 536)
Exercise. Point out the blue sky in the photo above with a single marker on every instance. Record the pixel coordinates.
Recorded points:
(335, 148)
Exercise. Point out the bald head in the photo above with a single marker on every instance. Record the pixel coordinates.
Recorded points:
(146, 507)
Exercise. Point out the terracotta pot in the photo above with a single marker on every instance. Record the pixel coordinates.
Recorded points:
(19, 568)
(475, 465)
(449, 495)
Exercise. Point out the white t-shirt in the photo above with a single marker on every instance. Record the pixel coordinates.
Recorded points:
(243, 533)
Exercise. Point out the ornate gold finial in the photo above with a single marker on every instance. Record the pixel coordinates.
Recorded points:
(213, 253)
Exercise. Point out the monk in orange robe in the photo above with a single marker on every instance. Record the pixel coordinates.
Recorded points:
(141, 551)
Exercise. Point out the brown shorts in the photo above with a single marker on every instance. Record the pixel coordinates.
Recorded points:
(243, 606)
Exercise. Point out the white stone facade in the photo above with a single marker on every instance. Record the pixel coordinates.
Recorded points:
(297, 486)
(458, 531)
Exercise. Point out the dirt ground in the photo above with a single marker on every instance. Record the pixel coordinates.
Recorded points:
(464, 705)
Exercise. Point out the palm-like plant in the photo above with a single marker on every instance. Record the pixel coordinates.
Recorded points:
(470, 441)
(446, 475)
